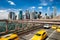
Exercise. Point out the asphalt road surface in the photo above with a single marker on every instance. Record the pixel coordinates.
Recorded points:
(52, 35)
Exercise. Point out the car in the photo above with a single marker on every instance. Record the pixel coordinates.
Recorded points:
(54, 26)
(40, 35)
(47, 26)
(58, 29)
(9, 37)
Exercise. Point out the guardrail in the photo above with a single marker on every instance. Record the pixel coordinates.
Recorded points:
(19, 24)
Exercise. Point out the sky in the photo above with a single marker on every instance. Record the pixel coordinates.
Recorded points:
(39, 5)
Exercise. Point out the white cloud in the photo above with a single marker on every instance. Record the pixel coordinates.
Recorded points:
(2, 11)
(20, 9)
(11, 3)
(3, 14)
(32, 7)
(40, 7)
(8, 9)
(44, 4)
(52, 6)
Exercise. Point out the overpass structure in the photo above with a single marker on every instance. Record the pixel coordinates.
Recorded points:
(41, 21)
(27, 21)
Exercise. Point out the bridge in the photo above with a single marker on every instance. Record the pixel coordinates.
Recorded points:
(33, 21)
(30, 25)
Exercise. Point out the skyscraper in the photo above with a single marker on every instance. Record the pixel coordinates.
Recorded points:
(54, 12)
(27, 14)
(39, 15)
(20, 15)
(48, 10)
(11, 16)
(32, 15)
(46, 16)
(36, 15)
(15, 17)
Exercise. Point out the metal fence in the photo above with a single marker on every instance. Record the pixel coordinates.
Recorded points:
(6, 27)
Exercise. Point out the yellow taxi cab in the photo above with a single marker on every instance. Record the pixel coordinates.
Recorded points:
(54, 26)
(9, 37)
(40, 35)
(58, 29)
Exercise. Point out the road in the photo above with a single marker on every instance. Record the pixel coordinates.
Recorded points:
(52, 35)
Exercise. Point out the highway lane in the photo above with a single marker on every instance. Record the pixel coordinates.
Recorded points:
(54, 36)
(30, 35)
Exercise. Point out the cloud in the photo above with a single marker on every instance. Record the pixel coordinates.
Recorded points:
(40, 7)
(52, 6)
(2, 11)
(20, 9)
(3, 14)
(11, 3)
(44, 4)
(33, 7)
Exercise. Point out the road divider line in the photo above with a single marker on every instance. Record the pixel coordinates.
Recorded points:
(51, 34)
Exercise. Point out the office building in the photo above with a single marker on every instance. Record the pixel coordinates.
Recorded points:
(54, 12)
(39, 15)
(46, 16)
(11, 16)
(27, 14)
(36, 15)
(32, 15)
(20, 15)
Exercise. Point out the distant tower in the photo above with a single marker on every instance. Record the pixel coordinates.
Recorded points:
(46, 16)
(33, 14)
(20, 15)
(48, 10)
(27, 14)
(36, 15)
(15, 17)
(11, 16)
(51, 16)
(54, 12)
(39, 15)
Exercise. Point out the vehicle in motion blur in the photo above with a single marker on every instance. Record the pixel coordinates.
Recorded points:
(58, 29)
(10, 37)
(47, 26)
(54, 26)
(40, 35)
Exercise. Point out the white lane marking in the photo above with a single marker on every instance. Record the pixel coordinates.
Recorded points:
(6, 35)
(30, 39)
(51, 34)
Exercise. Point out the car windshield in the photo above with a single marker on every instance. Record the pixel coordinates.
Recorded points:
(38, 34)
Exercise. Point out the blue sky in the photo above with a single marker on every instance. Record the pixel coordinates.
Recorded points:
(38, 5)
(27, 4)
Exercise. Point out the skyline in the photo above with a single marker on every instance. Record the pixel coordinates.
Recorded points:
(38, 5)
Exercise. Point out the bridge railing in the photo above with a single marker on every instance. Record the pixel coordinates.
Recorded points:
(9, 26)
